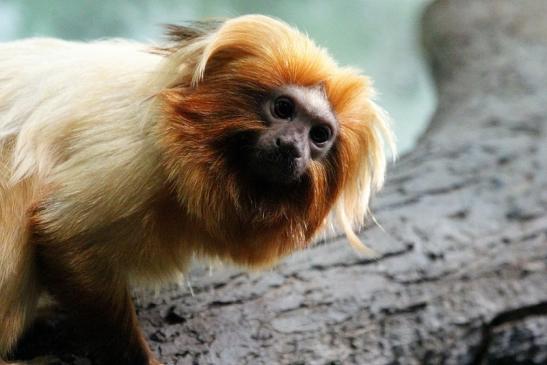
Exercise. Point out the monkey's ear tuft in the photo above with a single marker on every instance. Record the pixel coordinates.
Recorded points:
(188, 33)
(179, 36)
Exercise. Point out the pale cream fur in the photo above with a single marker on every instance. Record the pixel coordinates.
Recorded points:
(72, 117)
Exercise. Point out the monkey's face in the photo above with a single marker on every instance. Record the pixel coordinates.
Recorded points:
(300, 127)
(255, 159)
(264, 134)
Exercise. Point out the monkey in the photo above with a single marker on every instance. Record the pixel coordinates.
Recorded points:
(120, 162)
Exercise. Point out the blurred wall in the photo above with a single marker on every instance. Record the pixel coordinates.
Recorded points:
(379, 36)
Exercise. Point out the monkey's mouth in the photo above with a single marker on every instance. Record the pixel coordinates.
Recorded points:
(276, 168)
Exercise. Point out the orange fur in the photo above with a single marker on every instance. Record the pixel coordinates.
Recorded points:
(243, 61)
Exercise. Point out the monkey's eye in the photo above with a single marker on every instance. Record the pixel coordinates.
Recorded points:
(320, 134)
(283, 108)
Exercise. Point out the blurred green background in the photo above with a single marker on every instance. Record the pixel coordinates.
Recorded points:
(381, 37)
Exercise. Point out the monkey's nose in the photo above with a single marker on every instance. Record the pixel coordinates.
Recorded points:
(289, 149)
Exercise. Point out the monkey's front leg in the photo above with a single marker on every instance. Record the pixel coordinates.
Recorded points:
(97, 296)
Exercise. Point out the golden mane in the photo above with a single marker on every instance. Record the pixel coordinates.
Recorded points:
(217, 86)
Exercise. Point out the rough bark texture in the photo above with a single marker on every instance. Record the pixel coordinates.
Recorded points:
(462, 277)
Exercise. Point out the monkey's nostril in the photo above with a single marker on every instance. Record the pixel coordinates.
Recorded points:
(278, 142)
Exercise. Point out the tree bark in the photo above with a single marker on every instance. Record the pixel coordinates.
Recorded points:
(462, 272)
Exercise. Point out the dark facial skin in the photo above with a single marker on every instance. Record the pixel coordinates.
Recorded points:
(301, 128)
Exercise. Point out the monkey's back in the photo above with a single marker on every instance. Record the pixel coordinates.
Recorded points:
(72, 133)
(53, 90)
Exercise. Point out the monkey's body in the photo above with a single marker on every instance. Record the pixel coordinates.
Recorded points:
(77, 137)
(110, 170)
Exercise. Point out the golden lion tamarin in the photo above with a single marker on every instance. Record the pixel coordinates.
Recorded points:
(120, 162)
